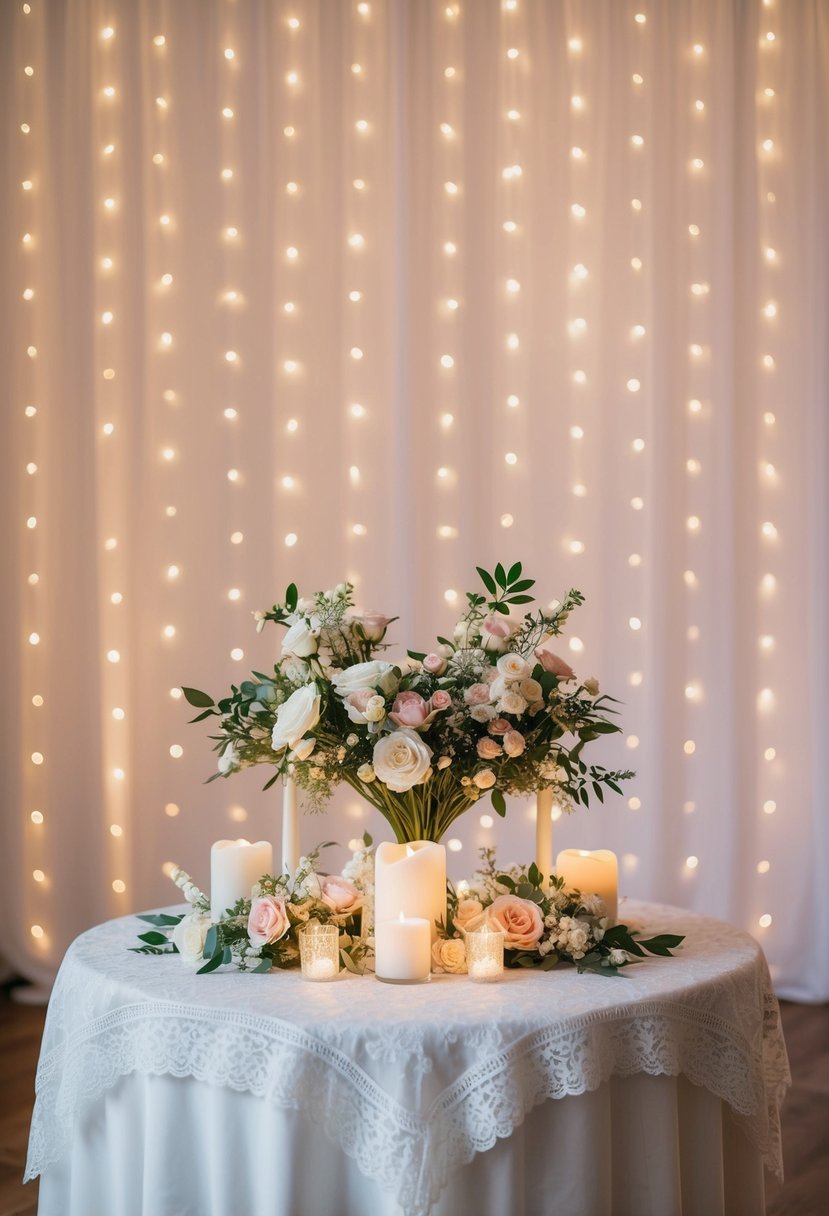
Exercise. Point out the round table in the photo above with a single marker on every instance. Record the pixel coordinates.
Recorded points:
(164, 1093)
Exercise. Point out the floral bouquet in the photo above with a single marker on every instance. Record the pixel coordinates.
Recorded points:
(542, 926)
(493, 710)
(261, 933)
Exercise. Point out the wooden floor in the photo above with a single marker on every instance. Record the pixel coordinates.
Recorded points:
(805, 1116)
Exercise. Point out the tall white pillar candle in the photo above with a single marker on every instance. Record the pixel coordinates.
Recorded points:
(403, 950)
(410, 879)
(235, 865)
(593, 873)
(290, 828)
(544, 833)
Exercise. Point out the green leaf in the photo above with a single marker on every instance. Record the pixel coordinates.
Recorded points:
(153, 939)
(211, 942)
(523, 585)
(264, 966)
(514, 572)
(349, 964)
(662, 944)
(201, 717)
(524, 890)
(212, 964)
(291, 597)
(500, 606)
(269, 783)
(520, 599)
(499, 804)
(505, 881)
(227, 954)
(550, 961)
(500, 576)
(162, 918)
(535, 876)
(199, 700)
(416, 654)
(487, 580)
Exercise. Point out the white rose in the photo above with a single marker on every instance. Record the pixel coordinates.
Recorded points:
(482, 713)
(375, 709)
(300, 640)
(449, 955)
(512, 666)
(303, 749)
(512, 703)
(618, 957)
(484, 779)
(228, 761)
(305, 606)
(375, 674)
(497, 687)
(189, 936)
(295, 716)
(366, 774)
(591, 685)
(466, 634)
(402, 760)
(531, 690)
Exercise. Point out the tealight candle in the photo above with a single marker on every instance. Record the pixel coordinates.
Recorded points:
(235, 865)
(319, 952)
(593, 873)
(410, 880)
(485, 954)
(403, 950)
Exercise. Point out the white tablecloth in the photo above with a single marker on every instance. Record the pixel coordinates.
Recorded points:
(163, 1093)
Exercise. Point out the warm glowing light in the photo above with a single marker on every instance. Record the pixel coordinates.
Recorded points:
(689, 747)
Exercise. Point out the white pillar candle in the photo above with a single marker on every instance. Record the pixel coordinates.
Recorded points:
(593, 873)
(403, 950)
(235, 865)
(410, 879)
(290, 828)
(544, 833)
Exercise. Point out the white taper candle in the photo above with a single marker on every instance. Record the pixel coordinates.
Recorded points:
(544, 833)
(290, 828)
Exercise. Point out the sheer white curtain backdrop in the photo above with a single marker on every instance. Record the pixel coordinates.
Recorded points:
(317, 289)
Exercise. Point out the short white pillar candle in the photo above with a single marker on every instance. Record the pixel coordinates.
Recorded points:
(593, 872)
(403, 950)
(235, 865)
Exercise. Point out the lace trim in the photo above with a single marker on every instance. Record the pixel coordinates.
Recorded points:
(411, 1156)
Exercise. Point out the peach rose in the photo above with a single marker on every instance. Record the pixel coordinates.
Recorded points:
(409, 709)
(449, 955)
(469, 914)
(268, 920)
(554, 665)
(341, 896)
(499, 726)
(440, 700)
(488, 749)
(520, 921)
(514, 743)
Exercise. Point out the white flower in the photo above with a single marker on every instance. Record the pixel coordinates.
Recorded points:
(449, 955)
(305, 605)
(482, 713)
(531, 690)
(512, 666)
(512, 703)
(303, 749)
(375, 709)
(295, 716)
(300, 640)
(375, 674)
(618, 957)
(189, 936)
(591, 685)
(366, 774)
(228, 761)
(466, 633)
(402, 760)
(498, 687)
(484, 779)
(260, 619)
(295, 670)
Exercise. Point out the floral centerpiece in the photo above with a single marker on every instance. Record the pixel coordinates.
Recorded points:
(493, 710)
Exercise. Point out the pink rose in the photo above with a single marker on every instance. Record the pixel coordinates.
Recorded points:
(476, 694)
(268, 920)
(435, 664)
(495, 632)
(488, 749)
(356, 704)
(518, 919)
(499, 726)
(409, 709)
(440, 700)
(373, 625)
(554, 665)
(341, 896)
(514, 743)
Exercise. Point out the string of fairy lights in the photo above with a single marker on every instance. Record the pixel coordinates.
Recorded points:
(363, 126)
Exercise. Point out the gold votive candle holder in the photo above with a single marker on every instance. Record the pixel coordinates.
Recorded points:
(319, 952)
(485, 954)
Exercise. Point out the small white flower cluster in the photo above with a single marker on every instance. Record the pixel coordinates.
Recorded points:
(189, 890)
(573, 936)
(360, 870)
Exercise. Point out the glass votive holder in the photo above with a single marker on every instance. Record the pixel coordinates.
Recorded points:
(319, 952)
(485, 954)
